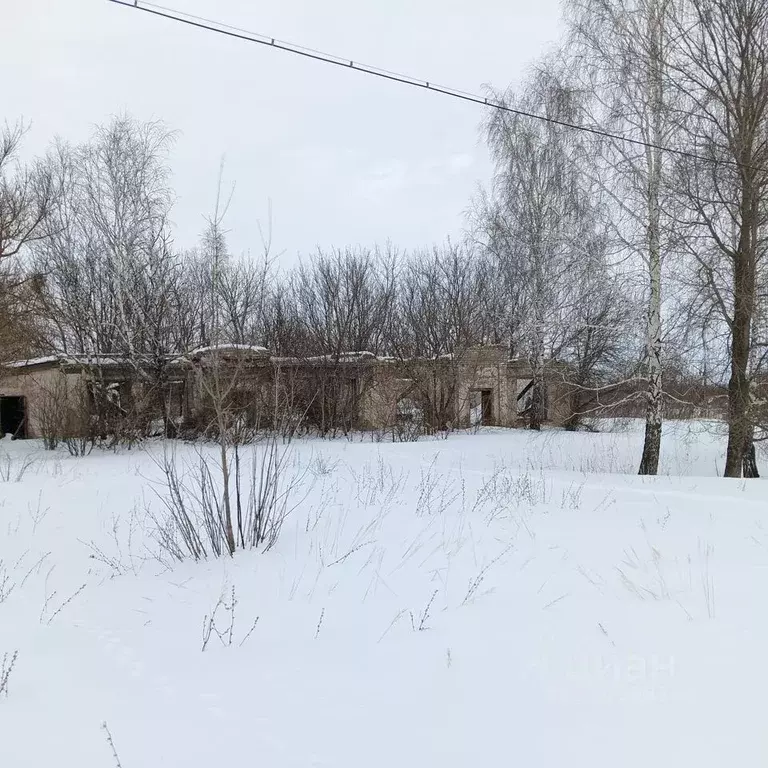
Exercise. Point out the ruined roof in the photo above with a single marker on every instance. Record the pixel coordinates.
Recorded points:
(229, 348)
(94, 360)
(491, 354)
(342, 357)
(47, 360)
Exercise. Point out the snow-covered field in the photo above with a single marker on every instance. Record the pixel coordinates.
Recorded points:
(500, 599)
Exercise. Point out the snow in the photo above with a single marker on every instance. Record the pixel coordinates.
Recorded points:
(500, 598)
(345, 357)
(90, 360)
(47, 360)
(228, 348)
(342, 357)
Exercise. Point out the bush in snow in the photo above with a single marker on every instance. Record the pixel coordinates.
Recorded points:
(13, 470)
(217, 504)
(6, 667)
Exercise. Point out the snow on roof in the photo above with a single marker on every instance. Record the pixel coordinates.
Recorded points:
(180, 359)
(347, 356)
(342, 357)
(33, 361)
(99, 359)
(229, 348)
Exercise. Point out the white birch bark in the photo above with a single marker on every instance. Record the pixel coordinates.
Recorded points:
(649, 464)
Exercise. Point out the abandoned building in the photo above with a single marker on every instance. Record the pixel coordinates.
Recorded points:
(181, 394)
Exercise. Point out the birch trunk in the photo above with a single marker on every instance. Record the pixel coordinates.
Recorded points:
(649, 463)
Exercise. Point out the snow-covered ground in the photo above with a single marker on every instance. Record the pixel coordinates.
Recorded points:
(499, 599)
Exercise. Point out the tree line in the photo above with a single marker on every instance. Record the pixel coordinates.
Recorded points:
(630, 262)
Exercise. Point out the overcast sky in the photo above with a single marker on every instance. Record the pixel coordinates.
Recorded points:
(344, 158)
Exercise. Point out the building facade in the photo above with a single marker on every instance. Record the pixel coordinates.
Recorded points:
(192, 393)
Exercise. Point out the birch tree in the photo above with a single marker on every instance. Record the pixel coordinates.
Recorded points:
(532, 216)
(111, 273)
(623, 60)
(27, 194)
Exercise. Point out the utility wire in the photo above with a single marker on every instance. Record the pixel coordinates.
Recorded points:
(211, 25)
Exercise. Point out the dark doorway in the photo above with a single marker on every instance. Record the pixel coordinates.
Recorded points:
(486, 398)
(13, 417)
(480, 407)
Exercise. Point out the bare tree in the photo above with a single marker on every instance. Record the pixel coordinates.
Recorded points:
(532, 220)
(243, 292)
(26, 195)
(439, 314)
(722, 75)
(343, 300)
(112, 278)
(340, 306)
(596, 340)
(621, 54)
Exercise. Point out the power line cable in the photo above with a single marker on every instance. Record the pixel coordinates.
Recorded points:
(239, 33)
